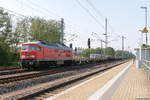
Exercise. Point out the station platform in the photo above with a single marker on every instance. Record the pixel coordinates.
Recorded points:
(124, 82)
(135, 86)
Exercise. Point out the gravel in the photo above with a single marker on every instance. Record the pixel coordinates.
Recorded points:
(6, 88)
(19, 85)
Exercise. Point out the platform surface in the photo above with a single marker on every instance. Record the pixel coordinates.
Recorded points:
(134, 85)
(84, 90)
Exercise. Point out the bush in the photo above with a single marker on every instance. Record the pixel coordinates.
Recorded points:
(3, 57)
(8, 58)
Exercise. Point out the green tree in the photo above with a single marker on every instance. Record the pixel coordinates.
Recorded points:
(119, 53)
(124, 54)
(37, 29)
(87, 52)
(99, 50)
(3, 55)
(5, 30)
(47, 30)
(110, 51)
(5, 37)
(22, 32)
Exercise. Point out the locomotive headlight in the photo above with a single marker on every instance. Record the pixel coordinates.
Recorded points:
(32, 56)
(23, 56)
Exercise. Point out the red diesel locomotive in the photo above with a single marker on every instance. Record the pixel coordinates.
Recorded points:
(37, 53)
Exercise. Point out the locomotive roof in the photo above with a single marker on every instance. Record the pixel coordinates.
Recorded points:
(50, 45)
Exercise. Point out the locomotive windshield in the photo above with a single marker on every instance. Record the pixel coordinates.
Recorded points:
(28, 47)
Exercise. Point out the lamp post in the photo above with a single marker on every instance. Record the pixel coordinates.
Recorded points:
(145, 29)
(145, 8)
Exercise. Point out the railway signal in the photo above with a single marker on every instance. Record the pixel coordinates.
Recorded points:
(70, 45)
(89, 43)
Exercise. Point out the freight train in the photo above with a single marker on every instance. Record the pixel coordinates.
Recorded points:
(39, 53)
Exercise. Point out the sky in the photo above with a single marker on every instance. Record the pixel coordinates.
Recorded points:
(125, 18)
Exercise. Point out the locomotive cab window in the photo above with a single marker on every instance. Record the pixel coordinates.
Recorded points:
(28, 47)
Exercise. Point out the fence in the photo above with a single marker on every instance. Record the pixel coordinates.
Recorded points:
(143, 58)
(146, 66)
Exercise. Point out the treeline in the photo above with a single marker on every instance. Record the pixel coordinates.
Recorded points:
(107, 51)
(13, 32)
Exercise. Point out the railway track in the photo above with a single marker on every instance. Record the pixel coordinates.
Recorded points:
(12, 68)
(47, 87)
(13, 71)
(9, 79)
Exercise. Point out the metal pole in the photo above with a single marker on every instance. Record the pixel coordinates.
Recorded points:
(141, 39)
(122, 44)
(62, 31)
(146, 24)
(106, 37)
(101, 48)
(146, 17)
(145, 8)
(146, 39)
(101, 44)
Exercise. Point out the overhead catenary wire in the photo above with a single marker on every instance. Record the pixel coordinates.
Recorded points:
(100, 14)
(33, 8)
(50, 12)
(13, 12)
(44, 9)
(36, 7)
(91, 15)
(96, 10)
